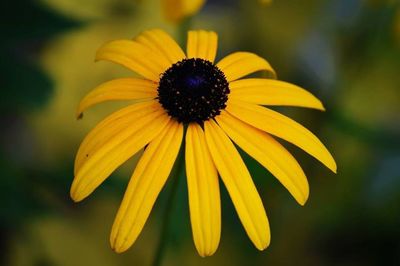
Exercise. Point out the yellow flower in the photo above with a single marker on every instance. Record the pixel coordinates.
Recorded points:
(265, 2)
(218, 107)
(176, 10)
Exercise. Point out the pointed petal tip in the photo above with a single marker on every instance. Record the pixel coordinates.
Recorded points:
(303, 197)
(75, 196)
(328, 161)
(263, 240)
(76, 193)
(118, 250)
(119, 247)
(76, 200)
(263, 246)
(97, 57)
(79, 110)
(334, 170)
(302, 202)
(72, 192)
(319, 105)
(203, 252)
(332, 165)
(79, 115)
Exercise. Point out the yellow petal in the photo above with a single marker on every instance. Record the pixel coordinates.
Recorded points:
(239, 184)
(240, 64)
(202, 44)
(148, 179)
(111, 126)
(134, 56)
(282, 127)
(203, 189)
(176, 10)
(115, 151)
(119, 89)
(161, 42)
(272, 92)
(269, 153)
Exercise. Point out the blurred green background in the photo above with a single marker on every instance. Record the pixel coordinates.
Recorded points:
(346, 52)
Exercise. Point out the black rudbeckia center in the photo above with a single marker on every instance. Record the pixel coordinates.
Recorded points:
(193, 90)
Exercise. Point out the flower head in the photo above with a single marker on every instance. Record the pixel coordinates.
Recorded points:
(176, 10)
(218, 108)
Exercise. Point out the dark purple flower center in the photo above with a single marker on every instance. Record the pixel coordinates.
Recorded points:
(193, 90)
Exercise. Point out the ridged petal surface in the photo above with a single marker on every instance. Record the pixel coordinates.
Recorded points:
(119, 89)
(283, 127)
(203, 190)
(202, 44)
(147, 180)
(240, 64)
(269, 153)
(135, 56)
(161, 42)
(239, 184)
(115, 151)
(272, 92)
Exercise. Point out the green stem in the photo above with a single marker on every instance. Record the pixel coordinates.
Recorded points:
(179, 168)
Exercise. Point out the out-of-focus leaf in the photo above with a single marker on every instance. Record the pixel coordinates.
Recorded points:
(29, 20)
(26, 86)
(25, 26)
(94, 9)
